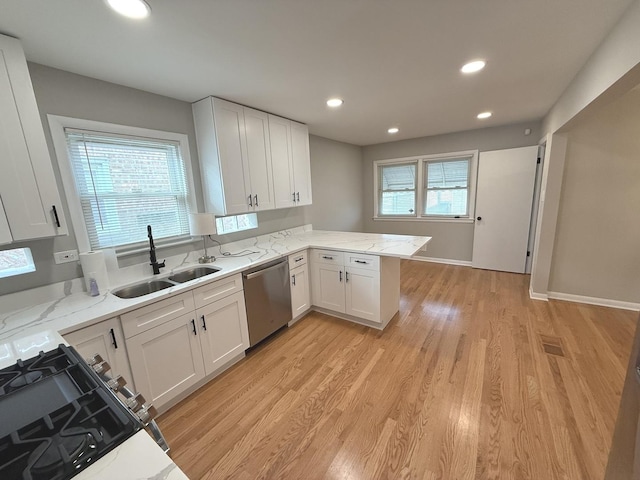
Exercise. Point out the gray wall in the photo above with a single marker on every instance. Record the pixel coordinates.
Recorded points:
(63, 93)
(336, 175)
(453, 241)
(596, 250)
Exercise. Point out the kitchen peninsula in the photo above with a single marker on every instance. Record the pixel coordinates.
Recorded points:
(31, 319)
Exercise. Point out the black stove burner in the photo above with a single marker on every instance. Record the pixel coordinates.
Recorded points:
(57, 417)
(78, 449)
(25, 379)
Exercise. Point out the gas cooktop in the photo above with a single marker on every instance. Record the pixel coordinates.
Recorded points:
(57, 417)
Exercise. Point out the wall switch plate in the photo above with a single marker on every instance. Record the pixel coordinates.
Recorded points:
(66, 256)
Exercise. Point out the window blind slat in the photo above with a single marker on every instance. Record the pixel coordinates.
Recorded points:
(126, 183)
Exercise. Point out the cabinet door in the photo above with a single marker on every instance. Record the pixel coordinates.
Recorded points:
(362, 289)
(327, 286)
(232, 148)
(281, 161)
(27, 185)
(5, 231)
(106, 339)
(223, 331)
(166, 360)
(300, 296)
(259, 159)
(301, 163)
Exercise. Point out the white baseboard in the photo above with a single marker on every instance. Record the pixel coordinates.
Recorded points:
(538, 296)
(603, 302)
(448, 261)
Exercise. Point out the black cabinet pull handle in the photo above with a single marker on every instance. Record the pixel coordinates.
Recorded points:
(256, 202)
(327, 257)
(113, 338)
(55, 215)
(299, 259)
(293, 280)
(479, 218)
(361, 261)
(340, 275)
(298, 195)
(204, 323)
(294, 196)
(250, 202)
(346, 276)
(193, 325)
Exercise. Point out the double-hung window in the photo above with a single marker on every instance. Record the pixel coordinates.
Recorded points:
(429, 187)
(397, 189)
(122, 180)
(446, 187)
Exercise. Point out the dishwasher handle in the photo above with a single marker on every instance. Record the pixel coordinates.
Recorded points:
(249, 276)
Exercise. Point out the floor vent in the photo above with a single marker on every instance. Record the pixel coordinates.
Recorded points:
(552, 345)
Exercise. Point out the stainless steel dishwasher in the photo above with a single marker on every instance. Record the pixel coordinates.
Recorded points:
(268, 299)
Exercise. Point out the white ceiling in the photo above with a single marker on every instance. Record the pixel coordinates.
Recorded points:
(395, 62)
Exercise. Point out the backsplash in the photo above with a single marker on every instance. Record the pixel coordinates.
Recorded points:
(125, 275)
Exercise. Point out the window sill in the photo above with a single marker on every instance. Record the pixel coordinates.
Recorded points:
(145, 248)
(428, 220)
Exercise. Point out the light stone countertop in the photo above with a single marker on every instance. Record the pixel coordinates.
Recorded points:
(136, 459)
(68, 307)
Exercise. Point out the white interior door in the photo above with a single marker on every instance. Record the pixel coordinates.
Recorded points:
(503, 208)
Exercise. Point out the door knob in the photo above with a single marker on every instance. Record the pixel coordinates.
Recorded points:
(479, 218)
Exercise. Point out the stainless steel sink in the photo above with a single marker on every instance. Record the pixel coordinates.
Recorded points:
(192, 274)
(144, 288)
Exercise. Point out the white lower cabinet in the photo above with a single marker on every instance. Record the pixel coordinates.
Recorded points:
(107, 340)
(359, 286)
(328, 286)
(166, 360)
(362, 293)
(223, 331)
(300, 294)
(173, 347)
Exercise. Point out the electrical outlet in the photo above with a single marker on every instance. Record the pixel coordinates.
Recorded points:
(66, 257)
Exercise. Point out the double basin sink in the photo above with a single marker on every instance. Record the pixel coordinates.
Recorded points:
(145, 288)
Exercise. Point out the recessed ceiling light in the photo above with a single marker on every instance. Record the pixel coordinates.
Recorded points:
(130, 8)
(484, 115)
(473, 67)
(393, 130)
(335, 102)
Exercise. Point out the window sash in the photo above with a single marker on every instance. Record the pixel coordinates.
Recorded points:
(125, 183)
(446, 197)
(400, 201)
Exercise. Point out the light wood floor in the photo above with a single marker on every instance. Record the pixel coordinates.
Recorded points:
(458, 386)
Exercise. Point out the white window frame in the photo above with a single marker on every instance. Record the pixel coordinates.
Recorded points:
(58, 123)
(422, 160)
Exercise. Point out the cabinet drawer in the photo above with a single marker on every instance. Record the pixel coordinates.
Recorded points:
(216, 290)
(297, 259)
(359, 260)
(157, 313)
(327, 256)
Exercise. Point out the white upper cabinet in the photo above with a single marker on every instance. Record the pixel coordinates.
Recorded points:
(235, 157)
(259, 159)
(301, 163)
(250, 160)
(5, 232)
(291, 162)
(280, 138)
(28, 189)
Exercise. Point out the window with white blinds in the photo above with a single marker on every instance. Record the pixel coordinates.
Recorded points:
(397, 189)
(125, 183)
(446, 187)
(429, 187)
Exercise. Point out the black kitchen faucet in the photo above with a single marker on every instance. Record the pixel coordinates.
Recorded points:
(152, 253)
